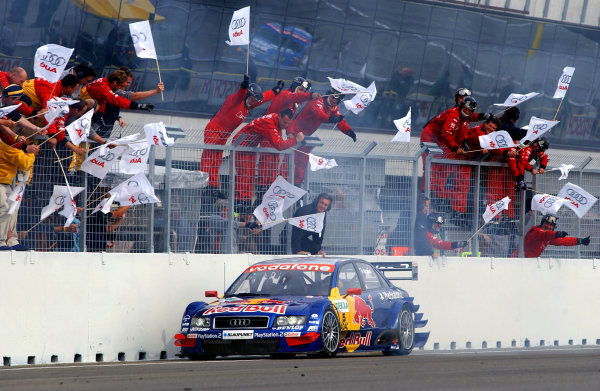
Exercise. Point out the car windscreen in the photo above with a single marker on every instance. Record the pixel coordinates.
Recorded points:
(277, 280)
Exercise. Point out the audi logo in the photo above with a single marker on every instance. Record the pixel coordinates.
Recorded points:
(549, 202)
(143, 198)
(139, 152)
(238, 23)
(239, 322)
(517, 100)
(364, 99)
(311, 223)
(53, 59)
(278, 190)
(577, 196)
(85, 123)
(131, 184)
(109, 156)
(60, 200)
(501, 141)
(499, 205)
(139, 37)
(540, 126)
(565, 79)
(272, 207)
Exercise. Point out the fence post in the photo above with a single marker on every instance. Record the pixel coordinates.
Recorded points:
(475, 249)
(167, 199)
(230, 201)
(150, 211)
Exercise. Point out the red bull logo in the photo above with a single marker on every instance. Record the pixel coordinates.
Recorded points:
(356, 339)
(363, 313)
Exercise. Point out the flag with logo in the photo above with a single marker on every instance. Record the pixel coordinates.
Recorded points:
(104, 205)
(16, 196)
(361, 100)
(289, 193)
(135, 158)
(101, 160)
(494, 209)
(403, 126)
(50, 61)
(61, 196)
(141, 35)
(57, 107)
(312, 223)
(79, 130)
(4, 111)
(515, 99)
(70, 209)
(134, 191)
(125, 140)
(496, 140)
(269, 212)
(239, 28)
(320, 163)
(563, 82)
(156, 134)
(578, 200)
(564, 170)
(537, 127)
(347, 87)
(547, 203)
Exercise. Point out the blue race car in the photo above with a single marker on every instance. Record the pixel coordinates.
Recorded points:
(309, 305)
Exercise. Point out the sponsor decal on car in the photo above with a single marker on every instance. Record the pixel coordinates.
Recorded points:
(314, 322)
(355, 338)
(275, 309)
(313, 328)
(238, 334)
(292, 266)
(185, 324)
(390, 295)
(291, 334)
(341, 305)
(299, 327)
(314, 316)
(267, 335)
(199, 329)
(186, 318)
(192, 336)
(363, 313)
(184, 330)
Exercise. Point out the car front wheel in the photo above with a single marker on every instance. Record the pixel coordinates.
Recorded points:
(330, 333)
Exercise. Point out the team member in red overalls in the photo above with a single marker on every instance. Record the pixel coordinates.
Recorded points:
(522, 161)
(267, 127)
(539, 237)
(231, 114)
(308, 121)
(268, 163)
(449, 130)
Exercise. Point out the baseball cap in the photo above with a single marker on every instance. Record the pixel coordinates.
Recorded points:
(13, 91)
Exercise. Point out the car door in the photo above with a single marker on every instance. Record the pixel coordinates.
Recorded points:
(374, 289)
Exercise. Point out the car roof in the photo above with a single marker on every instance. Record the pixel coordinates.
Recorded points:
(317, 260)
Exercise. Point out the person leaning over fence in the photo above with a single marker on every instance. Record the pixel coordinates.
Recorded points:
(522, 161)
(11, 161)
(307, 242)
(218, 228)
(421, 225)
(430, 242)
(540, 236)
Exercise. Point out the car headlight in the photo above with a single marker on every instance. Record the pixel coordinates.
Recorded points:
(200, 322)
(291, 320)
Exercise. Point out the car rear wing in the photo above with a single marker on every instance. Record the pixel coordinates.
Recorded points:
(399, 270)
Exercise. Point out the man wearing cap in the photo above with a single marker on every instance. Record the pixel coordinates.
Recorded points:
(540, 236)
(10, 97)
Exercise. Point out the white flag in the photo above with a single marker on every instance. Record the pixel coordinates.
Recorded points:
(50, 61)
(496, 140)
(79, 130)
(105, 204)
(564, 170)
(312, 223)
(563, 82)
(57, 107)
(125, 140)
(347, 87)
(537, 127)
(547, 203)
(269, 212)
(239, 28)
(578, 200)
(16, 197)
(101, 160)
(515, 99)
(361, 100)
(4, 111)
(156, 134)
(141, 35)
(134, 191)
(403, 126)
(319, 163)
(61, 196)
(135, 158)
(492, 210)
(286, 191)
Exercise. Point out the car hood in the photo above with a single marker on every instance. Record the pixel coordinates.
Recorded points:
(279, 305)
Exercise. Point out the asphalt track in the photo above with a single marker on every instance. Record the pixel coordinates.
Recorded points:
(576, 368)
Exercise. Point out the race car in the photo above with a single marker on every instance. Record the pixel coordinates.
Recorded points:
(311, 305)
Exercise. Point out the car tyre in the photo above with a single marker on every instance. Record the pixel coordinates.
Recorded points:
(406, 333)
(330, 333)
(201, 357)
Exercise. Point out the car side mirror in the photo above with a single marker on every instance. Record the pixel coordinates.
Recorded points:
(211, 294)
(353, 291)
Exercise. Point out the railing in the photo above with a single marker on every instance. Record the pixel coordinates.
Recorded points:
(375, 190)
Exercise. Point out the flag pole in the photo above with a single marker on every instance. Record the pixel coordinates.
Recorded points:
(476, 232)
(334, 125)
(159, 78)
(248, 57)
(555, 115)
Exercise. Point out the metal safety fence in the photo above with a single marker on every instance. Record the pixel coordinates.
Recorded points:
(374, 188)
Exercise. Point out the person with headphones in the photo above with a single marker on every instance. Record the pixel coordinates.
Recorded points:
(430, 242)
(520, 162)
(540, 236)
(306, 242)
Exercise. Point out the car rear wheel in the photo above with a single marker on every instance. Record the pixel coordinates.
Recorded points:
(406, 333)
(330, 333)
